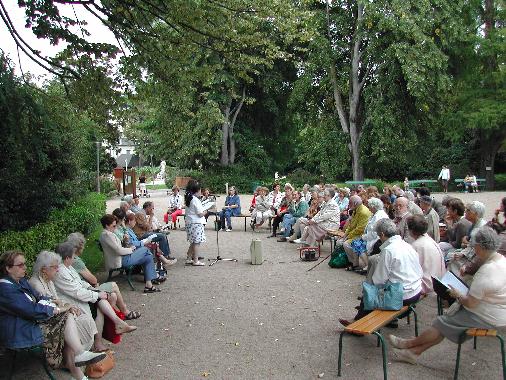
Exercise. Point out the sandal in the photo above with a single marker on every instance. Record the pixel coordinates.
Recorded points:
(132, 315)
(159, 280)
(151, 290)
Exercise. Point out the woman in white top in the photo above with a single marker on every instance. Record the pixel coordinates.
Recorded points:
(194, 221)
(175, 206)
(484, 306)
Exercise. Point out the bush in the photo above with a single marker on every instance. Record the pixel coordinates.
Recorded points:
(500, 182)
(82, 215)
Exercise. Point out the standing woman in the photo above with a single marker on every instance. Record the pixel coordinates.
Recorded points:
(194, 221)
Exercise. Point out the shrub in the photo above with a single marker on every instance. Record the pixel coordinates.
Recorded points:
(500, 182)
(82, 215)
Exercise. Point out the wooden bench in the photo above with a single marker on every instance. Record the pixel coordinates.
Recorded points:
(372, 324)
(37, 351)
(475, 333)
(482, 182)
(245, 216)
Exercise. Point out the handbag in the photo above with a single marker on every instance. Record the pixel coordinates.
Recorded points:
(338, 259)
(382, 297)
(99, 369)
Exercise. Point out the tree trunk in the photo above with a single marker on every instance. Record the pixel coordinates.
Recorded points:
(489, 146)
(236, 111)
(225, 128)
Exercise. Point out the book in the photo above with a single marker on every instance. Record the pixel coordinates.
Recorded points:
(208, 205)
(442, 286)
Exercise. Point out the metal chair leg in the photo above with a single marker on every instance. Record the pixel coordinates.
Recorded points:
(413, 310)
(129, 277)
(13, 364)
(384, 352)
(340, 353)
(501, 341)
(457, 362)
(475, 340)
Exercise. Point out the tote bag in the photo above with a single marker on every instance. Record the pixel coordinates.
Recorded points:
(382, 297)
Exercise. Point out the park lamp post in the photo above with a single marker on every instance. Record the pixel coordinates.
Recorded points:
(98, 165)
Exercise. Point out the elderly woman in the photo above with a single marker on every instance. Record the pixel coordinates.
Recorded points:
(397, 262)
(28, 319)
(282, 210)
(78, 240)
(117, 256)
(297, 209)
(431, 216)
(457, 227)
(232, 208)
(175, 208)
(363, 246)
(262, 210)
(44, 271)
(484, 306)
(78, 292)
(327, 219)
(306, 193)
(465, 261)
(317, 201)
(429, 254)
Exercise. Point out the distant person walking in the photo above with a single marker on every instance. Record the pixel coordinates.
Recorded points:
(444, 176)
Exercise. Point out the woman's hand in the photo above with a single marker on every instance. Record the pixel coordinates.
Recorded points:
(454, 293)
(103, 295)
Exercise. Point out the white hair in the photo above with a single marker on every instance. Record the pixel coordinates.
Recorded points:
(77, 239)
(375, 203)
(477, 207)
(44, 260)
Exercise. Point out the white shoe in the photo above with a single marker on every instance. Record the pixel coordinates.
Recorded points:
(299, 241)
(405, 355)
(188, 262)
(228, 230)
(198, 264)
(170, 262)
(87, 357)
(396, 342)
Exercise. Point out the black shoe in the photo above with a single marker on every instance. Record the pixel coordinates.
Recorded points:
(394, 324)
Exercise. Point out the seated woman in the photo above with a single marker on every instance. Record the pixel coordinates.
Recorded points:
(297, 209)
(282, 210)
(343, 201)
(28, 319)
(317, 200)
(175, 209)
(483, 307)
(77, 292)
(327, 219)
(207, 197)
(457, 227)
(131, 240)
(44, 271)
(117, 256)
(253, 200)
(397, 262)
(429, 254)
(496, 222)
(232, 208)
(78, 240)
(262, 210)
(388, 206)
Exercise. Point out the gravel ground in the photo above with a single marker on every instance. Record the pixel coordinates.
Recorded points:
(233, 320)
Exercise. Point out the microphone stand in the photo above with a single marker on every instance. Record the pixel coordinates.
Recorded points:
(218, 258)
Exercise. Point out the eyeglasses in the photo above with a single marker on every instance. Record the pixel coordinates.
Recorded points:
(20, 265)
(53, 266)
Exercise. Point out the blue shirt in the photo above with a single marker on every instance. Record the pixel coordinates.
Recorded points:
(19, 313)
(231, 201)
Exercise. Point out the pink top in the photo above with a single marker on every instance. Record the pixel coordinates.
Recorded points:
(431, 260)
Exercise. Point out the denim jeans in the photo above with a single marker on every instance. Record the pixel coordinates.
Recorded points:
(141, 256)
(288, 221)
(225, 215)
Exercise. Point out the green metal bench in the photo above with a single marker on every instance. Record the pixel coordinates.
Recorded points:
(364, 182)
(482, 182)
(430, 183)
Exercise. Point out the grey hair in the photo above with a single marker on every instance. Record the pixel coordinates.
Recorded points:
(122, 204)
(375, 203)
(426, 199)
(289, 185)
(330, 192)
(65, 249)
(409, 195)
(477, 207)
(355, 200)
(386, 227)
(488, 239)
(305, 187)
(44, 260)
(77, 238)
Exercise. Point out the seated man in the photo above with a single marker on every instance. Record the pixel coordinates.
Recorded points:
(327, 219)
(144, 228)
(401, 216)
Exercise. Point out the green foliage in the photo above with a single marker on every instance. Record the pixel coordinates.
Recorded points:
(82, 215)
(500, 182)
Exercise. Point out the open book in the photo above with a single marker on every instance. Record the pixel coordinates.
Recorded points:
(208, 205)
(441, 286)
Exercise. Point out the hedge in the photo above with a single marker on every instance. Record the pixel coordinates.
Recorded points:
(82, 215)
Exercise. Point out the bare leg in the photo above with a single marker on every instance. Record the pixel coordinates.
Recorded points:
(120, 302)
(72, 336)
(189, 253)
(106, 308)
(427, 339)
(195, 252)
(69, 358)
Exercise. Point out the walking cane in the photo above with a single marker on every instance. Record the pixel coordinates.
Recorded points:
(314, 266)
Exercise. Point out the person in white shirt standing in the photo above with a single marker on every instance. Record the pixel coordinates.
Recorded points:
(444, 176)
(195, 221)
